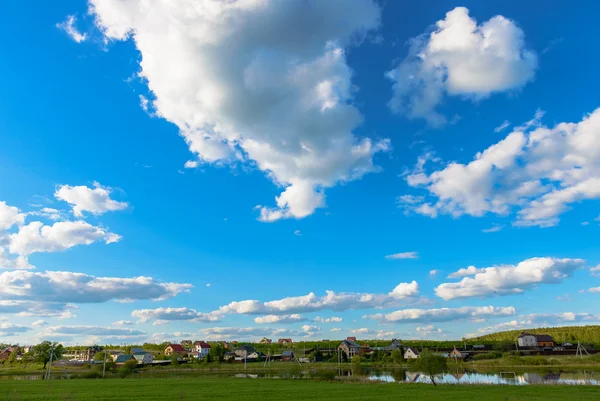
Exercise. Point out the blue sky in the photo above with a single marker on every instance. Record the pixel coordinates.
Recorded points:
(262, 152)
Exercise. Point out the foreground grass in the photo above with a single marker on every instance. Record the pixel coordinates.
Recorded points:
(265, 389)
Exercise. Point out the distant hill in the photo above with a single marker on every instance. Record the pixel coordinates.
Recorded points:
(572, 334)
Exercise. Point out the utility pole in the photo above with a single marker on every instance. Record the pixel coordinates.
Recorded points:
(50, 363)
(104, 364)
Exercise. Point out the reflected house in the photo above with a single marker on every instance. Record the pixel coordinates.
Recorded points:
(533, 378)
(412, 377)
(458, 375)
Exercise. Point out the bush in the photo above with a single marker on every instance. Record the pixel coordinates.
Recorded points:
(130, 365)
(92, 375)
(124, 372)
(488, 355)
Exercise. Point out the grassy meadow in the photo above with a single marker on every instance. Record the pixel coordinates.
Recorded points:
(265, 389)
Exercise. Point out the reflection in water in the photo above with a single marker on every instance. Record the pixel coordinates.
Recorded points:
(491, 378)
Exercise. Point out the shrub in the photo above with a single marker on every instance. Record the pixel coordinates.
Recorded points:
(94, 374)
(124, 372)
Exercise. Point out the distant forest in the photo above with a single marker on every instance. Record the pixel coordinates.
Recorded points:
(571, 334)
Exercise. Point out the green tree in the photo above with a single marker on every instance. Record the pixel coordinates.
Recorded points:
(397, 356)
(216, 352)
(174, 360)
(99, 356)
(41, 352)
(12, 358)
(430, 364)
(130, 365)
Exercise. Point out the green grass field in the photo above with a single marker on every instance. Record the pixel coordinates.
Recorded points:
(265, 389)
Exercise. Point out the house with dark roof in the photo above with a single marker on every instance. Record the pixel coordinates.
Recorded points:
(244, 351)
(287, 355)
(411, 353)
(201, 348)
(174, 349)
(266, 340)
(351, 348)
(284, 341)
(136, 350)
(121, 359)
(395, 345)
(535, 340)
(144, 357)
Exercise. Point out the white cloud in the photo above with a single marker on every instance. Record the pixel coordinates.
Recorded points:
(433, 273)
(268, 319)
(10, 216)
(42, 309)
(464, 272)
(20, 262)
(460, 58)
(49, 213)
(298, 233)
(68, 25)
(404, 255)
(37, 237)
(9, 329)
(509, 279)
(595, 289)
(442, 314)
(91, 330)
(363, 331)
(536, 170)
(244, 82)
(430, 331)
(493, 229)
(595, 271)
(123, 323)
(39, 323)
(170, 314)
(85, 199)
(64, 287)
(191, 164)
(330, 301)
(537, 320)
(248, 333)
(335, 330)
(502, 126)
(333, 319)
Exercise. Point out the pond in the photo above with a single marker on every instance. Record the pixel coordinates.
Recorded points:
(508, 378)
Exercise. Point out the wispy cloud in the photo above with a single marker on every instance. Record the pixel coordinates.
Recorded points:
(68, 25)
(404, 255)
(502, 126)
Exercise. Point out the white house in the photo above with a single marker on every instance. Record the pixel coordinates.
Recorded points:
(202, 348)
(411, 353)
(143, 357)
(527, 340)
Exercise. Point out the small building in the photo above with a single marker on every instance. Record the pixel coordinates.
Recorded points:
(229, 355)
(136, 350)
(395, 345)
(411, 353)
(244, 351)
(456, 354)
(4, 354)
(227, 345)
(201, 348)
(174, 349)
(544, 340)
(527, 340)
(353, 339)
(256, 355)
(284, 341)
(121, 359)
(351, 348)
(186, 343)
(266, 340)
(144, 357)
(287, 355)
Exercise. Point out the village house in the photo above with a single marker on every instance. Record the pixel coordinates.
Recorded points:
(287, 355)
(535, 340)
(244, 351)
(186, 343)
(201, 348)
(121, 359)
(351, 339)
(144, 358)
(395, 345)
(136, 350)
(351, 348)
(456, 354)
(174, 349)
(227, 345)
(411, 353)
(284, 341)
(5, 353)
(256, 355)
(266, 340)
